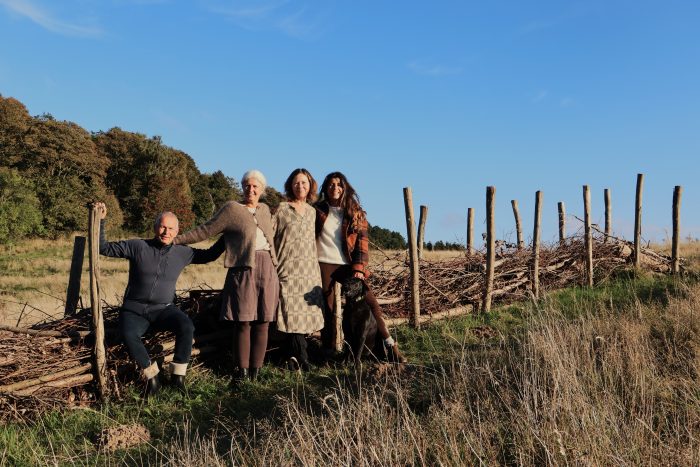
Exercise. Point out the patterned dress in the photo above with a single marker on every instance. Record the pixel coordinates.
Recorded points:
(301, 300)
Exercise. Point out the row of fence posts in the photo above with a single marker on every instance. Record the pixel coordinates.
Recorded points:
(416, 245)
(415, 254)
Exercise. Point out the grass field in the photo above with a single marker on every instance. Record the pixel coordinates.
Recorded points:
(600, 376)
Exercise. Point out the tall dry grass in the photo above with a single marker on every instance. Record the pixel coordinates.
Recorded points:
(619, 388)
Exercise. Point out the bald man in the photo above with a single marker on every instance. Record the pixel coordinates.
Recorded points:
(154, 267)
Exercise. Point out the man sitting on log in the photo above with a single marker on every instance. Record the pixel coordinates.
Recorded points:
(154, 266)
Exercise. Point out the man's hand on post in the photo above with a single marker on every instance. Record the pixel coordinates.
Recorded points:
(101, 209)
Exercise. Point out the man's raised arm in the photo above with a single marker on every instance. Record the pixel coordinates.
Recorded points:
(112, 249)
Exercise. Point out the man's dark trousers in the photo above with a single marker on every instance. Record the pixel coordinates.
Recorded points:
(133, 325)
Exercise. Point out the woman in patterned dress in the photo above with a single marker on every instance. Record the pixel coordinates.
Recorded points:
(301, 299)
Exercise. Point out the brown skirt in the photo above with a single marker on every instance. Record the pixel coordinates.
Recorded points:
(251, 294)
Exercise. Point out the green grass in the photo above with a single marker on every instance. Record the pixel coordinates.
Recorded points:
(212, 402)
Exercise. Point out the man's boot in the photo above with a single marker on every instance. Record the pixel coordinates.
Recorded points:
(152, 386)
(178, 382)
(152, 380)
(177, 376)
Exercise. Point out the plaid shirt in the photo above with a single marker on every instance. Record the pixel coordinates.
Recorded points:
(356, 245)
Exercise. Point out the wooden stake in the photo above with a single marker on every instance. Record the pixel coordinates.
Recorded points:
(490, 246)
(562, 222)
(638, 220)
(675, 262)
(413, 256)
(76, 271)
(608, 215)
(588, 234)
(338, 318)
(97, 319)
(518, 225)
(421, 229)
(470, 231)
(535, 279)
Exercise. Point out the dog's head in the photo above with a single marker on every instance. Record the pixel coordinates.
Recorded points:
(353, 289)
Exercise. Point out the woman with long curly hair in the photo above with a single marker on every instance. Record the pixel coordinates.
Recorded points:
(342, 242)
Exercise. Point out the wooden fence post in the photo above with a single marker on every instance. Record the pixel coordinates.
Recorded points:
(338, 319)
(562, 222)
(608, 215)
(421, 229)
(470, 231)
(638, 220)
(76, 272)
(588, 234)
(413, 256)
(490, 246)
(99, 353)
(535, 279)
(518, 224)
(675, 263)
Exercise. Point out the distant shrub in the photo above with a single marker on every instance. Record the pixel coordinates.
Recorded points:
(20, 215)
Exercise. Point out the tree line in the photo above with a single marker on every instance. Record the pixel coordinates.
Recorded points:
(50, 170)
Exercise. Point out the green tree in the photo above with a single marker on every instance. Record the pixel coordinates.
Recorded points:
(14, 123)
(148, 177)
(61, 159)
(272, 198)
(166, 187)
(223, 189)
(20, 214)
(386, 239)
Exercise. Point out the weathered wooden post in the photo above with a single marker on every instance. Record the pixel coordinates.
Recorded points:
(413, 257)
(608, 215)
(98, 328)
(490, 246)
(562, 222)
(588, 234)
(675, 262)
(421, 229)
(76, 272)
(518, 225)
(470, 231)
(535, 278)
(638, 220)
(338, 319)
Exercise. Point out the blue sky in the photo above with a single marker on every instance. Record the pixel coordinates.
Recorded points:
(446, 97)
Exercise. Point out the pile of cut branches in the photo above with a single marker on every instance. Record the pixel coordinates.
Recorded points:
(51, 364)
(455, 282)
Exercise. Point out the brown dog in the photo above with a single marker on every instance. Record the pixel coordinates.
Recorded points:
(359, 325)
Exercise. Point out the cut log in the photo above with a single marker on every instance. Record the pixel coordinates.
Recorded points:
(73, 381)
(45, 379)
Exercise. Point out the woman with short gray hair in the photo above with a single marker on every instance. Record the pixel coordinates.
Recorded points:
(251, 289)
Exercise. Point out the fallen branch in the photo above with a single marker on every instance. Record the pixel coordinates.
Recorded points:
(46, 378)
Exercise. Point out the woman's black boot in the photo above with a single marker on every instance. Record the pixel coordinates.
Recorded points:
(254, 374)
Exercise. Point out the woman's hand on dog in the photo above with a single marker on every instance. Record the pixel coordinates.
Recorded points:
(359, 275)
